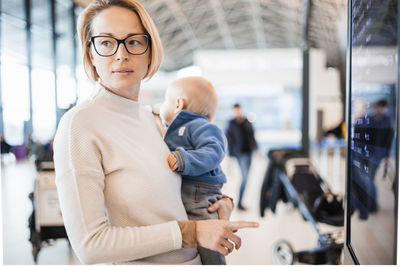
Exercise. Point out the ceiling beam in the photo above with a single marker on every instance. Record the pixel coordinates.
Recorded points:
(258, 23)
(184, 24)
(222, 24)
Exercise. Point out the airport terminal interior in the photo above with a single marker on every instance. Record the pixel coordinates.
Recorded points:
(316, 81)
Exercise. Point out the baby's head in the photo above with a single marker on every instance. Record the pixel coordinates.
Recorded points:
(195, 94)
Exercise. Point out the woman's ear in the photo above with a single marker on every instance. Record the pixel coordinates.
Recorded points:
(179, 105)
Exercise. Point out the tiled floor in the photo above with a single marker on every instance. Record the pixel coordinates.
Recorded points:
(257, 244)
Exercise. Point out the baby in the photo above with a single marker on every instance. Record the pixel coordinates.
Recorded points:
(197, 146)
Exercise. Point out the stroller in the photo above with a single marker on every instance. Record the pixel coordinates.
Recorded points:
(45, 221)
(291, 177)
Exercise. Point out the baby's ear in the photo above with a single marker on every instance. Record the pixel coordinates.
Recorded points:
(179, 105)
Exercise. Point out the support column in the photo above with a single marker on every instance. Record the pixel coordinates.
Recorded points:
(305, 139)
(1, 91)
(28, 125)
(54, 50)
(75, 51)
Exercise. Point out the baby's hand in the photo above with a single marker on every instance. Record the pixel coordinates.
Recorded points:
(172, 162)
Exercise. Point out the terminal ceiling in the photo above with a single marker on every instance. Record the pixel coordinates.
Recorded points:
(189, 25)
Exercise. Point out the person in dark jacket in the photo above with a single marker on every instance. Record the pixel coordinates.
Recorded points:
(241, 144)
(375, 135)
(5, 147)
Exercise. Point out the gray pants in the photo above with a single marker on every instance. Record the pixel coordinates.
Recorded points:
(196, 200)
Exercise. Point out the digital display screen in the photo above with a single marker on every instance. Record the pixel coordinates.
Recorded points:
(372, 185)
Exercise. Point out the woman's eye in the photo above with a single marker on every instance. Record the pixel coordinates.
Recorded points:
(134, 42)
(106, 43)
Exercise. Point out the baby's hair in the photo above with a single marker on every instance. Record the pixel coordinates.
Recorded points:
(199, 95)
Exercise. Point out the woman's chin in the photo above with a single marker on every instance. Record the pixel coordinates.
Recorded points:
(125, 84)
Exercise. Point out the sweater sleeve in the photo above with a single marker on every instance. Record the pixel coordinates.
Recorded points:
(209, 150)
(80, 185)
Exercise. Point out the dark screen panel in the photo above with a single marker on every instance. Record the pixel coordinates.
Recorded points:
(372, 190)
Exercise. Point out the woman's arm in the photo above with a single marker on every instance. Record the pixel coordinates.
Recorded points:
(80, 184)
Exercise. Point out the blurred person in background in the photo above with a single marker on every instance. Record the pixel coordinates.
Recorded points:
(241, 144)
(44, 152)
(5, 147)
(339, 131)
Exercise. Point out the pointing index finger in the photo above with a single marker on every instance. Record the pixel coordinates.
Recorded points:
(242, 224)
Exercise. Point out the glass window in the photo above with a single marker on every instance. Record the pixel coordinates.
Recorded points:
(85, 85)
(14, 8)
(14, 84)
(43, 98)
(14, 72)
(43, 84)
(42, 56)
(15, 77)
(13, 41)
(66, 86)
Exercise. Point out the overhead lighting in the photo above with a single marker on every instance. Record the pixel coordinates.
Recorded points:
(189, 71)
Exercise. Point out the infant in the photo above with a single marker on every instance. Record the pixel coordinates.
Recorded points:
(197, 148)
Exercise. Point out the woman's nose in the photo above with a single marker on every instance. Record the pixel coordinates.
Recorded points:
(122, 53)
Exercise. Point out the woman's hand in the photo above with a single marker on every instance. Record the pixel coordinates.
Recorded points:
(224, 207)
(218, 235)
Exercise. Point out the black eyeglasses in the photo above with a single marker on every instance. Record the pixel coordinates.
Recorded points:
(107, 46)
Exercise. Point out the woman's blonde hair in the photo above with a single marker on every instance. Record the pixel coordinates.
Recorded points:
(85, 32)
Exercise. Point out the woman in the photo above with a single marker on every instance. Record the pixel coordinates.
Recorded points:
(120, 202)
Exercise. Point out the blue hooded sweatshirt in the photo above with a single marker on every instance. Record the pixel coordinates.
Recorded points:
(199, 147)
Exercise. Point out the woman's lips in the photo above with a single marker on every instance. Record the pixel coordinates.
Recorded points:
(123, 72)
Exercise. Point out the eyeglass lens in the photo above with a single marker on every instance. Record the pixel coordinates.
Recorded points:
(107, 46)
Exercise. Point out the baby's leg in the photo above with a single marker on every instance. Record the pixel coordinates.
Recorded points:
(211, 257)
(196, 200)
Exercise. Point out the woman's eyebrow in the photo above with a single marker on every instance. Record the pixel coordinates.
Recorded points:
(106, 33)
(129, 34)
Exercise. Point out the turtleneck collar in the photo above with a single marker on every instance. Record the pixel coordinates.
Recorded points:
(114, 101)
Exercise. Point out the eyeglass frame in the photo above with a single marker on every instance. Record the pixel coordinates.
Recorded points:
(120, 41)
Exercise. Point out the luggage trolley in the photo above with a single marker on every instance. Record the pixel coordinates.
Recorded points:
(45, 222)
(291, 177)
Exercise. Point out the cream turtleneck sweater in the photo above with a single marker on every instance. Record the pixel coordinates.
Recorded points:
(119, 199)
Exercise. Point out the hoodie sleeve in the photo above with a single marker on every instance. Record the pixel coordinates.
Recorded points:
(209, 144)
